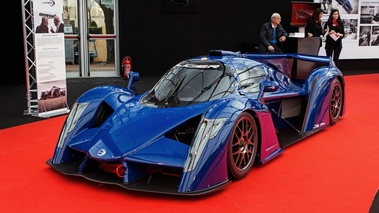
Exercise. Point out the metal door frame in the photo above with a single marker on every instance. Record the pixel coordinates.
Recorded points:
(83, 35)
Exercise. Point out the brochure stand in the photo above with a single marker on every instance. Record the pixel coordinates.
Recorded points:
(44, 50)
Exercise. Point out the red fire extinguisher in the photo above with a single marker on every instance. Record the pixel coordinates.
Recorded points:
(127, 66)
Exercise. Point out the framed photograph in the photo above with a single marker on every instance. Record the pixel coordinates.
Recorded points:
(301, 12)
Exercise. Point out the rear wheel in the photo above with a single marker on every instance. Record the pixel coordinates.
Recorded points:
(243, 144)
(335, 104)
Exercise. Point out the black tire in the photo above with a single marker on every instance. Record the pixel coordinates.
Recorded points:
(335, 103)
(242, 146)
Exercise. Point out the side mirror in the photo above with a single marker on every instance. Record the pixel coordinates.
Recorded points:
(267, 86)
(270, 86)
(133, 78)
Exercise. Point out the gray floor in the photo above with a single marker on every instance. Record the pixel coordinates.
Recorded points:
(14, 100)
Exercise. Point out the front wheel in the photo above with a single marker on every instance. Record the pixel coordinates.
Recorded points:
(243, 144)
(335, 104)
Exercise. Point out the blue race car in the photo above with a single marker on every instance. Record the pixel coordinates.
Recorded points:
(346, 5)
(205, 123)
(54, 92)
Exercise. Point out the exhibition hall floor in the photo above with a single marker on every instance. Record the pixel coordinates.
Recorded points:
(335, 170)
(12, 110)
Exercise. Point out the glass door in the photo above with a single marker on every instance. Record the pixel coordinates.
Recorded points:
(91, 45)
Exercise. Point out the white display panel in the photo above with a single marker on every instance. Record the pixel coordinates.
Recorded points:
(361, 21)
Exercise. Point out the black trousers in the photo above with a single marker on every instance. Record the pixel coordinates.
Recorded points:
(334, 52)
(277, 48)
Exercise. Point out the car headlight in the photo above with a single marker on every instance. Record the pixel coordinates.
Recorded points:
(208, 129)
(71, 121)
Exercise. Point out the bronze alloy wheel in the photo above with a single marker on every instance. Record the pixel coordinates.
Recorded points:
(243, 144)
(335, 105)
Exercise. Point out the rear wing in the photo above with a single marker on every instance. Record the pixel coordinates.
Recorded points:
(295, 66)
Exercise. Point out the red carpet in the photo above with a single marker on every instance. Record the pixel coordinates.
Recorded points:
(335, 170)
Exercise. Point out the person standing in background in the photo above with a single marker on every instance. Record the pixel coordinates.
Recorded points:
(272, 35)
(334, 34)
(313, 27)
(58, 24)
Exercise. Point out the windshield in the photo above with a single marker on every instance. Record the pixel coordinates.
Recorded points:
(191, 82)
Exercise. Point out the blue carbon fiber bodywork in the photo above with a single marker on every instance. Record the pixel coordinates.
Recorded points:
(175, 138)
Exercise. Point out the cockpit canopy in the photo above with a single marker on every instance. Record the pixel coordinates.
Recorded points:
(197, 81)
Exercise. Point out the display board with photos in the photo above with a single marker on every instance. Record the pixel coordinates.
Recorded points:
(361, 27)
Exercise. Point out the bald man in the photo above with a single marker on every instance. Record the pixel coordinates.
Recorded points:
(58, 24)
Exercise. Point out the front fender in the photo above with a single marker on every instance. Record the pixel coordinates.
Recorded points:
(319, 86)
(108, 93)
(112, 95)
(83, 115)
(206, 165)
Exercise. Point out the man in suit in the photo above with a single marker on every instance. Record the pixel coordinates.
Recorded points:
(58, 24)
(44, 26)
(272, 35)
